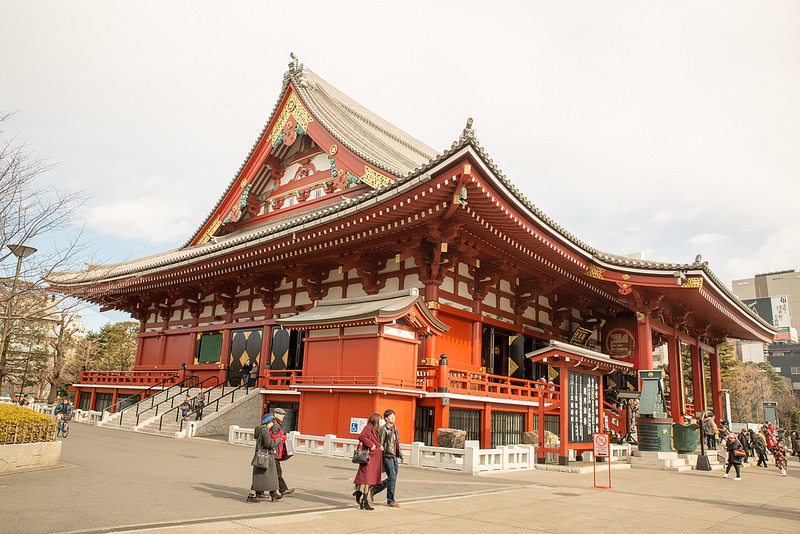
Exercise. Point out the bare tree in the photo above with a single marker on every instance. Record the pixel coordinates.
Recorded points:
(34, 215)
(65, 328)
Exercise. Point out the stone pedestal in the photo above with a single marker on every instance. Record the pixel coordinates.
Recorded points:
(654, 434)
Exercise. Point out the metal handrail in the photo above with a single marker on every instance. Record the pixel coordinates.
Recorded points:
(163, 380)
(232, 393)
(178, 394)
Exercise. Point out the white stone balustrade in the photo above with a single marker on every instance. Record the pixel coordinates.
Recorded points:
(471, 459)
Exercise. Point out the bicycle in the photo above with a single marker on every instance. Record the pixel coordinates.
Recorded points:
(63, 426)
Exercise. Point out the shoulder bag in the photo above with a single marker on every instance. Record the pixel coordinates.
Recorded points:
(360, 456)
(260, 458)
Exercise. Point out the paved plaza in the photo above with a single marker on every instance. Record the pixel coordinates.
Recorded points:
(115, 481)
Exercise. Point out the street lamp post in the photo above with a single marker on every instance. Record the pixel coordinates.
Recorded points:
(20, 251)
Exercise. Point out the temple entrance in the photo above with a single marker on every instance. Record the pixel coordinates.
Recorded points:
(245, 346)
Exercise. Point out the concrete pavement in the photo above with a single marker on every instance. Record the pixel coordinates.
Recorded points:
(114, 481)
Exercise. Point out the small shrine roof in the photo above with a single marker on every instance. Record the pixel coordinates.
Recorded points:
(580, 353)
(367, 309)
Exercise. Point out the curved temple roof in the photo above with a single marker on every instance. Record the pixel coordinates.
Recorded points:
(388, 148)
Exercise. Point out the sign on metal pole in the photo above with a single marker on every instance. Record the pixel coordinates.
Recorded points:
(602, 449)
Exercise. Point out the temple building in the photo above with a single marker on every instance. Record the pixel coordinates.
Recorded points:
(359, 269)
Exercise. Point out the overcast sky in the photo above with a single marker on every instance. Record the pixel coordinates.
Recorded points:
(667, 128)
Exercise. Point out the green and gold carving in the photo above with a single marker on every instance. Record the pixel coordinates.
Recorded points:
(295, 108)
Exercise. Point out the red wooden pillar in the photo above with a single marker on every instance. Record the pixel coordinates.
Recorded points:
(675, 379)
(643, 354)
(442, 412)
(563, 419)
(541, 430)
(486, 424)
(476, 343)
(716, 384)
(225, 357)
(698, 379)
(114, 399)
(266, 344)
(601, 400)
(94, 399)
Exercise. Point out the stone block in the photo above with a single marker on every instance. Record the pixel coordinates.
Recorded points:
(24, 456)
(451, 437)
(532, 438)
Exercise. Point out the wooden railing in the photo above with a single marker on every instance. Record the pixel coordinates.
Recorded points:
(129, 378)
(615, 419)
(487, 385)
(362, 381)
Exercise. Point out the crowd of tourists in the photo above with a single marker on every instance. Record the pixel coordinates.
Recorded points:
(378, 451)
(748, 443)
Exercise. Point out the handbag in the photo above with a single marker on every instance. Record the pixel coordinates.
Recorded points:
(361, 456)
(260, 459)
(739, 453)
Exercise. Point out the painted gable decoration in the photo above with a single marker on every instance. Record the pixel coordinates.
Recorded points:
(293, 121)
(298, 159)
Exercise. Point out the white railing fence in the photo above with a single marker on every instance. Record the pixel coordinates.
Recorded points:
(471, 459)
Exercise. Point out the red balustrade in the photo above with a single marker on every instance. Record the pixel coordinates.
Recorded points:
(129, 378)
(486, 385)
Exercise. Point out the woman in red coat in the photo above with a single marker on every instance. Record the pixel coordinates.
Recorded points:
(369, 474)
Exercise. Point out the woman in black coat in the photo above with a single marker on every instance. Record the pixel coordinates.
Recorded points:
(265, 479)
(760, 447)
(745, 441)
(732, 445)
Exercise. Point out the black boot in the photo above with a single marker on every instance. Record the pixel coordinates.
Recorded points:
(365, 502)
(357, 494)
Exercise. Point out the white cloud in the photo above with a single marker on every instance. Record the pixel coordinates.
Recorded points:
(153, 219)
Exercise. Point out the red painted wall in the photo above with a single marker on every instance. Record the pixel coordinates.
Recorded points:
(151, 347)
(178, 350)
(456, 341)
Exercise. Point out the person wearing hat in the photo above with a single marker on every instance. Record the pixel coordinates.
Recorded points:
(265, 479)
(275, 426)
(735, 455)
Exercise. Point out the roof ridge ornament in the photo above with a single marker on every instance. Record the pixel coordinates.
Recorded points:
(468, 132)
(296, 70)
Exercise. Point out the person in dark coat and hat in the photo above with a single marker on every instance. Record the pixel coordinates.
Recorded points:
(265, 480)
(369, 474)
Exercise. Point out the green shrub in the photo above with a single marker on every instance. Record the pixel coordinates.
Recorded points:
(23, 425)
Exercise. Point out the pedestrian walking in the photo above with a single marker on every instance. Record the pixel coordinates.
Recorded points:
(780, 456)
(795, 443)
(390, 443)
(368, 474)
(199, 404)
(247, 368)
(186, 407)
(265, 474)
(710, 430)
(745, 441)
(760, 447)
(735, 455)
(275, 426)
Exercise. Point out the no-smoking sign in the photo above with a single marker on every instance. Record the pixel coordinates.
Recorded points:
(600, 444)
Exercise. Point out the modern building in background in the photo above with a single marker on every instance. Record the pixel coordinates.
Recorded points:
(776, 298)
(785, 359)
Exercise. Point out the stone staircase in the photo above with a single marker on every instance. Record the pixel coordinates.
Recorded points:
(665, 461)
(168, 416)
(672, 461)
